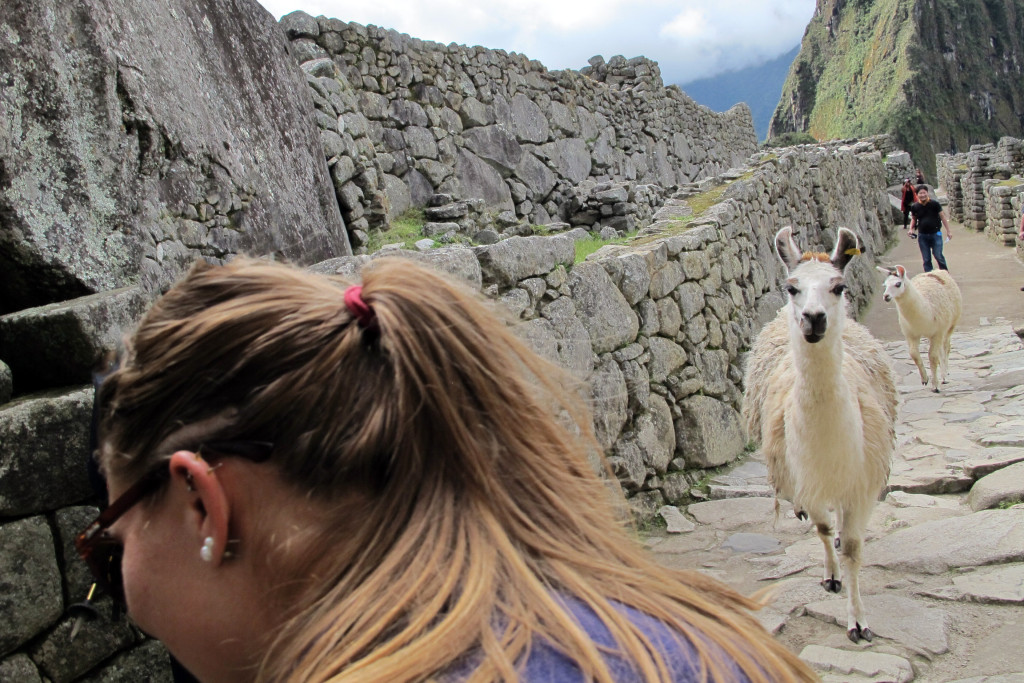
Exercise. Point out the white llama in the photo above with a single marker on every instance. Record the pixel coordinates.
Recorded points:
(929, 305)
(821, 399)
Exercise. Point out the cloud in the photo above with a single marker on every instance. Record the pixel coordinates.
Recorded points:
(688, 38)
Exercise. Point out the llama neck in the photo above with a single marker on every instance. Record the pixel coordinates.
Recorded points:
(823, 408)
(911, 304)
(819, 367)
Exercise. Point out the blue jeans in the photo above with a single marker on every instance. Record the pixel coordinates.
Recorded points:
(931, 244)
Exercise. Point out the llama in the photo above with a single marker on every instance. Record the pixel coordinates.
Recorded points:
(821, 400)
(929, 305)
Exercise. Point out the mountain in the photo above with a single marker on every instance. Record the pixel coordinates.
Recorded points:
(938, 75)
(758, 86)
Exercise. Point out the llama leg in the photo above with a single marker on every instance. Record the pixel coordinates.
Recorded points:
(935, 346)
(943, 351)
(915, 353)
(856, 621)
(832, 580)
(945, 355)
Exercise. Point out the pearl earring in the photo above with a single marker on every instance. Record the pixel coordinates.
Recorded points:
(206, 552)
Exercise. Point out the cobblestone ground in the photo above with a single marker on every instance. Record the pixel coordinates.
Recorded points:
(943, 576)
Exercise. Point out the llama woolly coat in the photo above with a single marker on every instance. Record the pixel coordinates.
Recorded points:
(770, 379)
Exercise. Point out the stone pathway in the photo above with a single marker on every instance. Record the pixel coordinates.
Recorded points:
(943, 576)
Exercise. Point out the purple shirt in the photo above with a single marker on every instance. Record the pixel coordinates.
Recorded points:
(546, 664)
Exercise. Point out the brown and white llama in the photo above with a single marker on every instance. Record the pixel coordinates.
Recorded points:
(821, 400)
(929, 305)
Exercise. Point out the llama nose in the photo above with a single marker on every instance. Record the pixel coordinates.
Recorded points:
(817, 321)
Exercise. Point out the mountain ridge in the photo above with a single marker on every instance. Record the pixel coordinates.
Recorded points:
(938, 75)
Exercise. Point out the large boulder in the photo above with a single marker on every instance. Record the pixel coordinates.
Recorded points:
(138, 137)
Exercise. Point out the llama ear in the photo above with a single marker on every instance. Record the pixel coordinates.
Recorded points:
(847, 246)
(901, 272)
(786, 248)
(883, 269)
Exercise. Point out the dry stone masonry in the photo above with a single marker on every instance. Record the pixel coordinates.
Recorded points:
(985, 187)
(491, 144)
(402, 120)
(657, 330)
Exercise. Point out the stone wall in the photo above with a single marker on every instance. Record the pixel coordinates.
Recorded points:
(403, 119)
(655, 332)
(984, 187)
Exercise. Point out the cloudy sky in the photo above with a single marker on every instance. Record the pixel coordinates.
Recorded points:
(689, 39)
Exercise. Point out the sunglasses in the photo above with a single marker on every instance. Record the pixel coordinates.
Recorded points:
(102, 553)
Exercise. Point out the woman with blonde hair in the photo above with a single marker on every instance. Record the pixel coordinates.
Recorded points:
(315, 481)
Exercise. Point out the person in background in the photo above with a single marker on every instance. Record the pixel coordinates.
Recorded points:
(919, 177)
(907, 198)
(313, 480)
(926, 224)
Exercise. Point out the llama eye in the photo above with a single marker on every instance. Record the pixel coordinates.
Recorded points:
(793, 291)
(838, 290)
(898, 284)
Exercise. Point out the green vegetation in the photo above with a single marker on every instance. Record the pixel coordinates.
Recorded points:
(588, 246)
(790, 139)
(407, 229)
(1009, 503)
(699, 203)
(646, 526)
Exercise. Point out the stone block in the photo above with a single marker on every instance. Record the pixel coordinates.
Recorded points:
(1002, 486)
(31, 599)
(518, 258)
(61, 344)
(601, 307)
(608, 401)
(708, 432)
(45, 441)
(148, 662)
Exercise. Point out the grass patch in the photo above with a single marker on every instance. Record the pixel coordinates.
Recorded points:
(645, 527)
(1007, 504)
(699, 203)
(407, 229)
(588, 246)
(789, 140)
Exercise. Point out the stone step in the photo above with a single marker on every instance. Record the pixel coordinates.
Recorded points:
(60, 344)
(44, 442)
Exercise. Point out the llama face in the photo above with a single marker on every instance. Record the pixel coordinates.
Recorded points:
(816, 300)
(815, 284)
(895, 284)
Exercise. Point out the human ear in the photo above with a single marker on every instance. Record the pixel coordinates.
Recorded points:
(209, 509)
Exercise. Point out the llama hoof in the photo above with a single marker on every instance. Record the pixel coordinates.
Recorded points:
(935, 391)
(832, 585)
(801, 515)
(856, 634)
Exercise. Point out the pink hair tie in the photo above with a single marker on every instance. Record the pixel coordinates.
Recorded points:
(359, 309)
